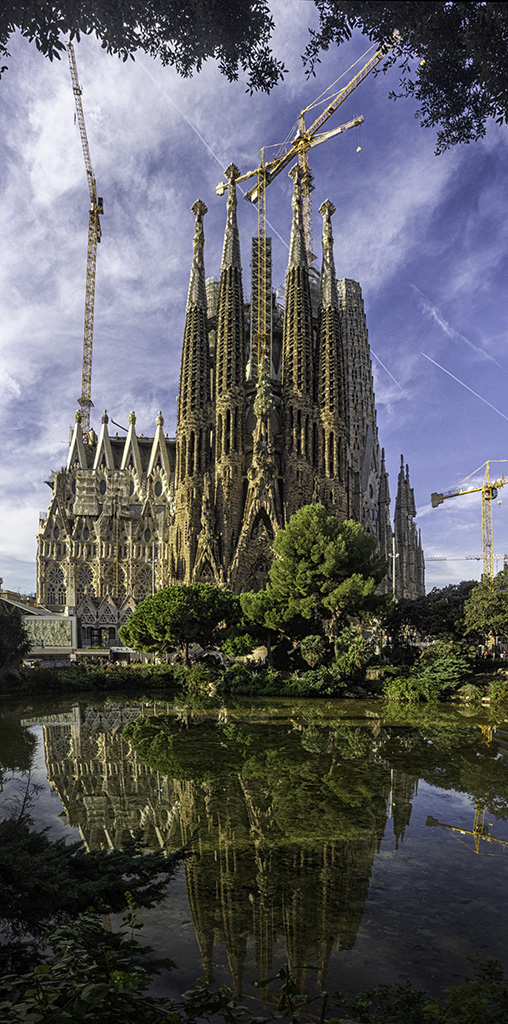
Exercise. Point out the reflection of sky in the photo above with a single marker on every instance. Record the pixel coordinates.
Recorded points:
(46, 809)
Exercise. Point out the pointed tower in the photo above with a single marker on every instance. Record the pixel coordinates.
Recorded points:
(329, 435)
(194, 415)
(230, 362)
(409, 557)
(384, 534)
(360, 408)
(297, 366)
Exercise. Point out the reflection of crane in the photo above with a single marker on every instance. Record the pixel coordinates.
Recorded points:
(94, 236)
(489, 490)
(298, 147)
(480, 831)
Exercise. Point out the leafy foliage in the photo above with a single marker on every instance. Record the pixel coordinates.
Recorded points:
(42, 882)
(14, 640)
(324, 571)
(452, 58)
(486, 611)
(440, 670)
(181, 614)
(481, 998)
(236, 33)
(439, 613)
(313, 648)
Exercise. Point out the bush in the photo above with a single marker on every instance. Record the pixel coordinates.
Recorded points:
(237, 678)
(497, 689)
(469, 692)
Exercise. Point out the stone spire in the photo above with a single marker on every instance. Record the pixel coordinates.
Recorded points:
(297, 247)
(409, 573)
(230, 364)
(297, 366)
(231, 247)
(329, 297)
(331, 437)
(194, 391)
(384, 528)
(197, 290)
(194, 417)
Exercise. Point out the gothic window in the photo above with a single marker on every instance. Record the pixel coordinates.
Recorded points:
(148, 535)
(314, 445)
(183, 459)
(192, 443)
(114, 582)
(219, 437)
(331, 447)
(102, 487)
(143, 584)
(56, 592)
(158, 488)
(86, 533)
(85, 582)
(56, 533)
(227, 433)
(299, 433)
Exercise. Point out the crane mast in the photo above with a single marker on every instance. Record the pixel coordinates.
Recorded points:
(94, 237)
(489, 491)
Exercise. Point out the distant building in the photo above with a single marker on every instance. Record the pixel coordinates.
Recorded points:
(268, 420)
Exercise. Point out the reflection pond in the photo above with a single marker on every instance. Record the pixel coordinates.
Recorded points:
(358, 839)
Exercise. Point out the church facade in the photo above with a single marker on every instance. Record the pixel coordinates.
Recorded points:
(267, 421)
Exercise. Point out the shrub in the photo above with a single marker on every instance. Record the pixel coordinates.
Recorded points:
(497, 689)
(469, 692)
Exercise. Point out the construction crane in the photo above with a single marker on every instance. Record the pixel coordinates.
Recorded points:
(462, 558)
(489, 490)
(305, 139)
(94, 236)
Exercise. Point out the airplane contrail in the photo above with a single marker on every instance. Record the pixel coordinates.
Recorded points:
(202, 139)
(431, 310)
(385, 368)
(475, 393)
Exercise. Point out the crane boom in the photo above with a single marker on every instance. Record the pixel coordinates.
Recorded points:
(94, 236)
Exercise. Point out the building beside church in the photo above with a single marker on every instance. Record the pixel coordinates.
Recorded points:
(266, 422)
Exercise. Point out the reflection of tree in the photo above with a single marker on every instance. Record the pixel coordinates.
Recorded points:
(286, 814)
(289, 818)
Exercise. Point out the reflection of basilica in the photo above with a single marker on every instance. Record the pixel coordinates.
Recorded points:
(253, 884)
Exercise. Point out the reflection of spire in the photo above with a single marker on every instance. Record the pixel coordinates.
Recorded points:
(404, 788)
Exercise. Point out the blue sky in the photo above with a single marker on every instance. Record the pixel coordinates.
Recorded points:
(426, 237)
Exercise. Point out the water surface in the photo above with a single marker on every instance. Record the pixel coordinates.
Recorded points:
(363, 840)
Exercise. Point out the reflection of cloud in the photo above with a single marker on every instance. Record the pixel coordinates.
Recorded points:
(434, 313)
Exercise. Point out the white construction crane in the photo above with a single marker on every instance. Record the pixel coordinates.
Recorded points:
(94, 236)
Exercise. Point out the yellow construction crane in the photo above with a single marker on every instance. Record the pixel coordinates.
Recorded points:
(489, 491)
(94, 236)
(305, 139)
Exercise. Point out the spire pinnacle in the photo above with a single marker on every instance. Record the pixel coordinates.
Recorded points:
(197, 290)
(297, 248)
(231, 249)
(329, 295)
